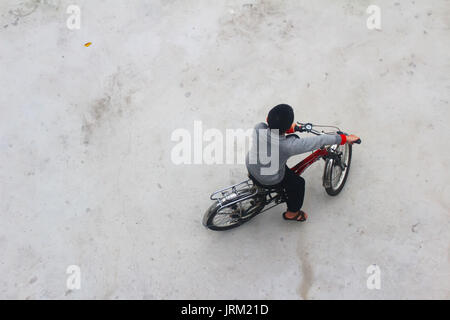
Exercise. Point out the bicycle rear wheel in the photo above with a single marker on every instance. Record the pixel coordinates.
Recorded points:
(220, 217)
(334, 176)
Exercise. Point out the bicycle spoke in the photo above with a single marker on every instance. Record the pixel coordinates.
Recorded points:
(229, 215)
(337, 174)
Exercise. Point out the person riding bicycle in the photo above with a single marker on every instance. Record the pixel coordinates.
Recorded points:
(271, 139)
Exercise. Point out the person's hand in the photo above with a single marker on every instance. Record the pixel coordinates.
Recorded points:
(352, 138)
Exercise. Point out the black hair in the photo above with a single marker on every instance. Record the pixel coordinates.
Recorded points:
(281, 117)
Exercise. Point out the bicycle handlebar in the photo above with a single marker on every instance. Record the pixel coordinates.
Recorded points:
(308, 127)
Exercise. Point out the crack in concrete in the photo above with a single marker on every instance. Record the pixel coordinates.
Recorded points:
(308, 276)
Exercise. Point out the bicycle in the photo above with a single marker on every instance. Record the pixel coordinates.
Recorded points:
(237, 204)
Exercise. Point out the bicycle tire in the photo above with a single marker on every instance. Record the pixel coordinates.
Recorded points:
(214, 209)
(328, 170)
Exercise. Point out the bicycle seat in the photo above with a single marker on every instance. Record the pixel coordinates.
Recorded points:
(265, 187)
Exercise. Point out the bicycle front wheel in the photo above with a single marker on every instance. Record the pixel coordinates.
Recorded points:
(336, 170)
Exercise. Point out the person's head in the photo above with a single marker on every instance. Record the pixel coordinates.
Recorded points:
(281, 117)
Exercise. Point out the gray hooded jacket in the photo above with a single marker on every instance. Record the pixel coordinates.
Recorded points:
(268, 167)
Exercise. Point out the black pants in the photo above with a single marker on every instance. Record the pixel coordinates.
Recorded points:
(294, 186)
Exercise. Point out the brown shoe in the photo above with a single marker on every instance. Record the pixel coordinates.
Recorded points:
(300, 216)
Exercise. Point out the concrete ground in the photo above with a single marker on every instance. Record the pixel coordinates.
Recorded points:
(86, 176)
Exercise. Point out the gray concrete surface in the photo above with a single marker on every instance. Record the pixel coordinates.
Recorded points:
(85, 171)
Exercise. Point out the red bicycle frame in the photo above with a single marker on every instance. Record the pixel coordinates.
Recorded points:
(309, 160)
